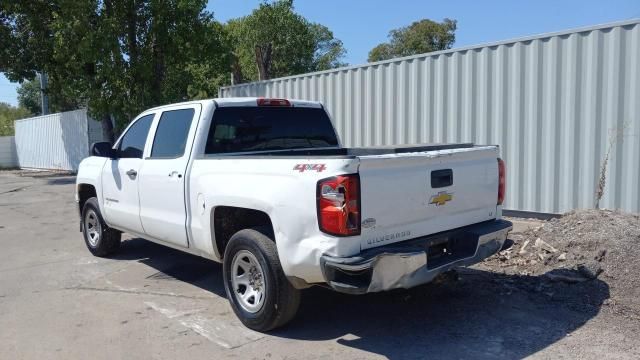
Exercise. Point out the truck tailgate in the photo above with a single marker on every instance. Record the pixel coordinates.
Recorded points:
(404, 196)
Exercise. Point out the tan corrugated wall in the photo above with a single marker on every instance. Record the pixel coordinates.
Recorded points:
(551, 102)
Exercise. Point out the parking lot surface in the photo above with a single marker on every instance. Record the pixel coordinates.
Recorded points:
(59, 302)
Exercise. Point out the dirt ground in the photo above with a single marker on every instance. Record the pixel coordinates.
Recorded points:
(569, 252)
(59, 302)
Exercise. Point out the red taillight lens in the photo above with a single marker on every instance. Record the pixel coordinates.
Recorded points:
(273, 102)
(502, 181)
(338, 201)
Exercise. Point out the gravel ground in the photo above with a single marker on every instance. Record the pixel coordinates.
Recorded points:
(572, 251)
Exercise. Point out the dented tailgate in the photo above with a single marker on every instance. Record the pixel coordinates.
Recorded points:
(408, 195)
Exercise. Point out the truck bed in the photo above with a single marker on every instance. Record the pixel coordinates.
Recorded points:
(351, 152)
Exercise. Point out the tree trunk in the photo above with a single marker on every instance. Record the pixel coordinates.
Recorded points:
(263, 60)
(107, 129)
(158, 67)
(236, 72)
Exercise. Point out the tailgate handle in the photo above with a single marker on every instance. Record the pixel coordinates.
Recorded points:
(441, 178)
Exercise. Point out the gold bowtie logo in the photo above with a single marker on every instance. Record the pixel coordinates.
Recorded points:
(441, 198)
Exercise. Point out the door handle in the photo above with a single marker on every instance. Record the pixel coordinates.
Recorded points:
(132, 173)
(171, 174)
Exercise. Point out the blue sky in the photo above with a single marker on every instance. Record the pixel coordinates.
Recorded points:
(363, 24)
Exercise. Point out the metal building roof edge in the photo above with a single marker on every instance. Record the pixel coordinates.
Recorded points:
(38, 117)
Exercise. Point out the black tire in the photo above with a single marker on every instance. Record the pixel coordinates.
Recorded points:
(280, 299)
(107, 241)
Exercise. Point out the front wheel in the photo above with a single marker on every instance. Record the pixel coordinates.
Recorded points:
(100, 239)
(259, 293)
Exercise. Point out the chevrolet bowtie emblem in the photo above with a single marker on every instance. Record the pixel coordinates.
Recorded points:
(441, 198)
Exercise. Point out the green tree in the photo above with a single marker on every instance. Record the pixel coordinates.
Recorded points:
(329, 51)
(420, 37)
(8, 114)
(25, 35)
(29, 96)
(282, 42)
(117, 57)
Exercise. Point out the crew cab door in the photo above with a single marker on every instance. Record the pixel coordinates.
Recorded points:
(162, 178)
(120, 177)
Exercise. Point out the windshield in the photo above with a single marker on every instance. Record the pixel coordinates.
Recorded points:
(245, 129)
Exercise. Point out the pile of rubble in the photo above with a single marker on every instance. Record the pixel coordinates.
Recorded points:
(533, 255)
(580, 246)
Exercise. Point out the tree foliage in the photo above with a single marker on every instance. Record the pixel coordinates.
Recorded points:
(297, 45)
(420, 37)
(8, 114)
(29, 96)
(117, 57)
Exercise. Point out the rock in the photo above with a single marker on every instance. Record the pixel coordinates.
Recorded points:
(590, 270)
(505, 255)
(516, 237)
(562, 257)
(524, 247)
(564, 275)
(600, 255)
(541, 244)
(548, 260)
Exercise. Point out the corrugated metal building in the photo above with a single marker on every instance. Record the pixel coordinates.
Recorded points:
(56, 141)
(552, 102)
(8, 155)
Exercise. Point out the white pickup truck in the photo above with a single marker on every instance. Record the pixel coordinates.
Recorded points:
(264, 186)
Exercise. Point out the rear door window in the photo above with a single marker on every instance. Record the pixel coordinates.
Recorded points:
(171, 135)
(247, 129)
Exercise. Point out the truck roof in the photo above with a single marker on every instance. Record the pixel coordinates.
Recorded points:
(244, 101)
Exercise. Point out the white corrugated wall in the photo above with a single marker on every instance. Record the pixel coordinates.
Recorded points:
(56, 141)
(552, 102)
(94, 131)
(8, 155)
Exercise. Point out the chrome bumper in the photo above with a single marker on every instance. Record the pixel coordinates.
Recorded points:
(414, 262)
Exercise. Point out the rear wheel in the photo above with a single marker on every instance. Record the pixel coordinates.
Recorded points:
(100, 239)
(259, 293)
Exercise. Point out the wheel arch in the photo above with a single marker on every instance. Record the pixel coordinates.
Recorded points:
(227, 220)
(85, 192)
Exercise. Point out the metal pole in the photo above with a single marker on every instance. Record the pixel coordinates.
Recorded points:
(44, 99)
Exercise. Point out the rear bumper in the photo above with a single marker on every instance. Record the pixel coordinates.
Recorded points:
(414, 262)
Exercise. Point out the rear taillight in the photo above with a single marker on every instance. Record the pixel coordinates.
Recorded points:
(338, 201)
(502, 181)
(273, 102)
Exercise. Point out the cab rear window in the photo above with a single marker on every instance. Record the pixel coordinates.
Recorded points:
(249, 129)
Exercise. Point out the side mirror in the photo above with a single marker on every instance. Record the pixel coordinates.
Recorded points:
(103, 149)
